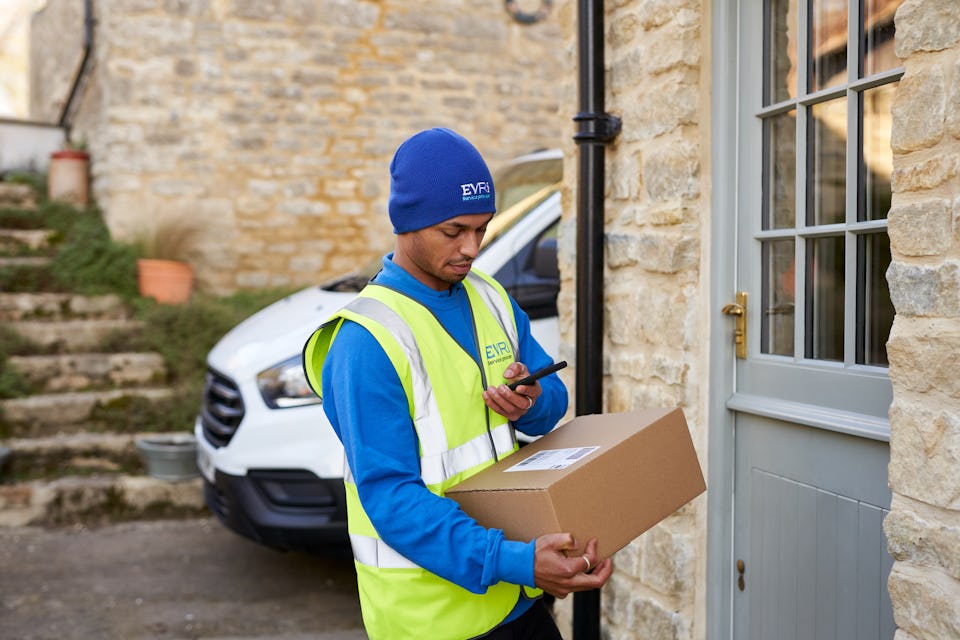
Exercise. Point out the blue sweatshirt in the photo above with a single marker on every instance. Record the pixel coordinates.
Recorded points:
(366, 404)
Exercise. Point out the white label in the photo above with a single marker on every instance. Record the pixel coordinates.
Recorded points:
(553, 459)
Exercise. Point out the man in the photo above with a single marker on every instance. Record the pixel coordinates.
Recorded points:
(413, 376)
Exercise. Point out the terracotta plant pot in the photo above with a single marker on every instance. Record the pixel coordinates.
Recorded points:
(166, 281)
(68, 176)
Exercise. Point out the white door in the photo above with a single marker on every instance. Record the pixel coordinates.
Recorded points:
(810, 393)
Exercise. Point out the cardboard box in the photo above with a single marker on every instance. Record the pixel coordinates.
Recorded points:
(605, 476)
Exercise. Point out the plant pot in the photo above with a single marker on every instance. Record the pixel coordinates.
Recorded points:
(166, 281)
(170, 457)
(68, 177)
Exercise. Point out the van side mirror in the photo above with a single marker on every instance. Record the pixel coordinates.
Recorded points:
(545, 263)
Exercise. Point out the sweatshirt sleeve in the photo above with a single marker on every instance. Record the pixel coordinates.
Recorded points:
(551, 406)
(372, 420)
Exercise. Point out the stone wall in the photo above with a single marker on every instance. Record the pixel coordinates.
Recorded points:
(923, 527)
(656, 221)
(273, 123)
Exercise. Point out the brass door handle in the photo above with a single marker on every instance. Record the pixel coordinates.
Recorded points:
(738, 310)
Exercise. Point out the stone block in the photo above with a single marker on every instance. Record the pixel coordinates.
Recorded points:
(653, 619)
(672, 102)
(671, 171)
(923, 540)
(923, 174)
(925, 290)
(620, 250)
(925, 453)
(924, 355)
(921, 228)
(624, 177)
(953, 103)
(654, 13)
(919, 110)
(617, 599)
(924, 602)
(624, 29)
(667, 251)
(927, 25)
(676, 44)
(668, 561)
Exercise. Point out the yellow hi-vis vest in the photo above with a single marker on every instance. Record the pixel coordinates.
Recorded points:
(457, 435)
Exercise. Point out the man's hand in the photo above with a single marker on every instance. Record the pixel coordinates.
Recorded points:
(512, 405)
(560, 567)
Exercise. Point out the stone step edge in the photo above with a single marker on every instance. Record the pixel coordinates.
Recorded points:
(71, 407)
(98, 500)
(72, 336)
(89, 371)
(31, 238)
(48, 306)
(13, 194)
(35, 262)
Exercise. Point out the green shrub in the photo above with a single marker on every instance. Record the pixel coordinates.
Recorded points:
(35, 179)
(184, 334)
(90, 262)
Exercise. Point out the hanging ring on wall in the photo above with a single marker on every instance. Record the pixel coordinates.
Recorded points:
(526, 17)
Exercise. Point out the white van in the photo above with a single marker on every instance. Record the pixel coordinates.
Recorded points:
(272, 464)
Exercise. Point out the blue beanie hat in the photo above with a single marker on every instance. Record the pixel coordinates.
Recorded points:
(437, 175)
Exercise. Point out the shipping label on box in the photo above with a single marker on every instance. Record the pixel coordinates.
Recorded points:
(605, 476)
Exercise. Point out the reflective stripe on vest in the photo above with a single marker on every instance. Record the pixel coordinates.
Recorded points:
(436, 469)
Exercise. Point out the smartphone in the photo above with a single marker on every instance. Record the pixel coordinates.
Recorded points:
(536, 375)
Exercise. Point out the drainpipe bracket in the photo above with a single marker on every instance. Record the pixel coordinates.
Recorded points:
(596, 127)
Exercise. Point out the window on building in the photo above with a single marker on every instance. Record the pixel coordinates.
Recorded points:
(830, 73)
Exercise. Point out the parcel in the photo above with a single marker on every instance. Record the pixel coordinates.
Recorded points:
(606, 476)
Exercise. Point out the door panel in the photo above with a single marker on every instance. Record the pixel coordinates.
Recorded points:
(808, 526)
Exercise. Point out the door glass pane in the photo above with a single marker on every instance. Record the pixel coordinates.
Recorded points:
(873, 297)
(781, 47)
(825, 281)
(828, 44)
(878, 53)
(776, 332)
(876, 165)
(780, 147)
(826, 160)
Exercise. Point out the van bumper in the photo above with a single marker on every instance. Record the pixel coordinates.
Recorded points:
(288, 509)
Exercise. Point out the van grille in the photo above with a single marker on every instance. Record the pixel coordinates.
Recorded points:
(222, 408)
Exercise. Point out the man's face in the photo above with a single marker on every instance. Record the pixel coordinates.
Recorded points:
(441, 255)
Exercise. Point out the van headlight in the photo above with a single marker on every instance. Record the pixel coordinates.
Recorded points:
(285, 385)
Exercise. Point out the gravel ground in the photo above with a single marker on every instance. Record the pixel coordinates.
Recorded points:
(167, 580)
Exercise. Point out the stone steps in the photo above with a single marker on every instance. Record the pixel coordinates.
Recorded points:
(89, 371)
(47, 414)
(98, 499)
(17, 195)
(25, 262)
(73, 336)
(68, 453)
(72, 454)
(14, 241)
(61, 306)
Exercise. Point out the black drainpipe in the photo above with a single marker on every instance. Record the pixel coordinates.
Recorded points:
(82, 71)
(595, 129)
